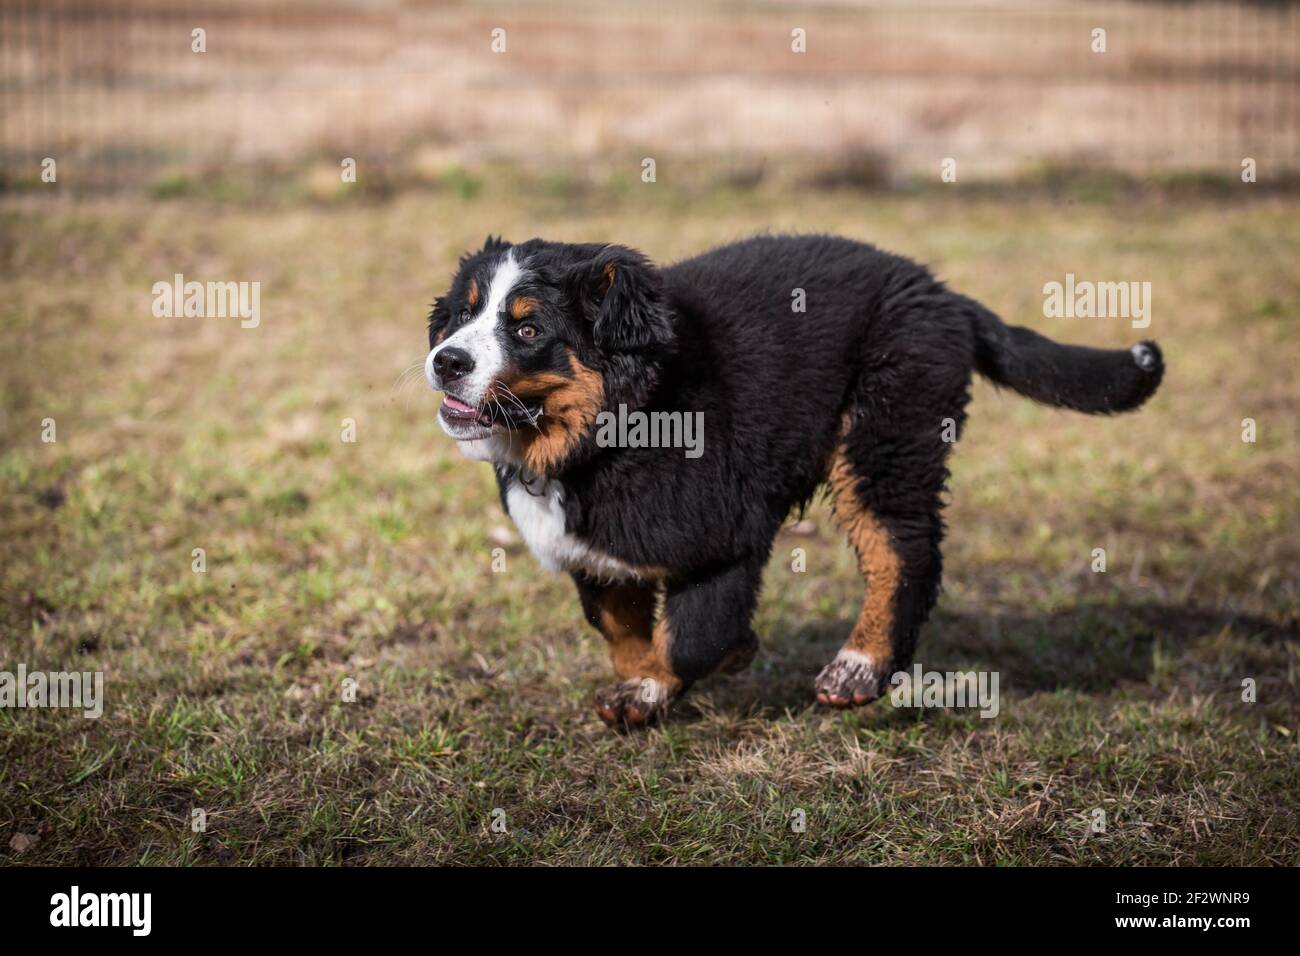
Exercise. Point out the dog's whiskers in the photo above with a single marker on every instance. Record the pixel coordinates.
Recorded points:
(402, 384)
(407, 375)
(514, 398)
(490, 399)
(530, 416)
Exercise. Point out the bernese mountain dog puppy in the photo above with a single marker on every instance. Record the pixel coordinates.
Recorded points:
(809, 361)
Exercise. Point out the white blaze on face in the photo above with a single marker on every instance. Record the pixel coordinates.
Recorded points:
(479, 338)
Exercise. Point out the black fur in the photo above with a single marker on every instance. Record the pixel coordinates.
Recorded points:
(876, 366)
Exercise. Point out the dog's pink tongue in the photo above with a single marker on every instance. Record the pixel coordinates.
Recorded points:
(458, 405)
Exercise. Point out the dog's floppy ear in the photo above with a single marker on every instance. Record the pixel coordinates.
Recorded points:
(622, 295)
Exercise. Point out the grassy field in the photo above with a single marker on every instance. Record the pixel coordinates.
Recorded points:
(371, 560)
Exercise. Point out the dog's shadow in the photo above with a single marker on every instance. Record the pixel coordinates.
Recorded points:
(1088, 647)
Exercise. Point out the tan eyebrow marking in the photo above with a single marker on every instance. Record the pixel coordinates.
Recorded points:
(473, 292)
(522, 307)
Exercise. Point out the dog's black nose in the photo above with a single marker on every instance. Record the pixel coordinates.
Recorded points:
(451, 364)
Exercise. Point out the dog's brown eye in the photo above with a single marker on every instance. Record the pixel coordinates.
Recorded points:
(528, 331)
(464, 314)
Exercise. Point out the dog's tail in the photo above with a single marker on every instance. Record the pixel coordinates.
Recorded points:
(1097, 381)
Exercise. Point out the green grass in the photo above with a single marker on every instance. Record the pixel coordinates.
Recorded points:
(372, 560)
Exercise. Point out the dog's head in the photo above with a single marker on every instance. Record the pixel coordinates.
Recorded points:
(532, 341)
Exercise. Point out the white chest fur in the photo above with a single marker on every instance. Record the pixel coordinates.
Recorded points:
(540, 519)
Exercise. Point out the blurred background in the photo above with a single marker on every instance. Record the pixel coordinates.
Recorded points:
(414, 91)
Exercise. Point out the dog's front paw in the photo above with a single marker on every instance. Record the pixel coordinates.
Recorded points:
(852, 679)
(739, 658)
(633, 703)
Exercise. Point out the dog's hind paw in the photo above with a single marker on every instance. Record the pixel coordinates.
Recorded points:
(852, 679)
(633, 703)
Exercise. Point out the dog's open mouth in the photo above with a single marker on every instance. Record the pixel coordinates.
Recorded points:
(493, 415)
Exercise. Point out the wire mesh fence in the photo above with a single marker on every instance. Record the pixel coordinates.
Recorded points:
(125, 90)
